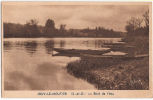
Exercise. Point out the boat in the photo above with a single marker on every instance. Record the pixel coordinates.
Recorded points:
(79, 51)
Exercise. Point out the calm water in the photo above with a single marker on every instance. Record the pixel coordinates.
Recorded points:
(29, 64)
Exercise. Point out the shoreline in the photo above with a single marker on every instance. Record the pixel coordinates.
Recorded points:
(112, 74)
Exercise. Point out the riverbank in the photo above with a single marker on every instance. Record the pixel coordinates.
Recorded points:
(116, 73)
(112, 74)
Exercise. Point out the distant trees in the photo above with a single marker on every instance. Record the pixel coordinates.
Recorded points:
(101, 32)
(135, 25)
(62, 27)
(50, 24)
(62, 30)
(49, 28)
(31, 28)
(13, 30)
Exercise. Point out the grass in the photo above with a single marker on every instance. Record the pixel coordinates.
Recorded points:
(112, 74)
(140, 43)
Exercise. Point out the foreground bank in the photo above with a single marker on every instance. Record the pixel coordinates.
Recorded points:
(125, 73)
(121, 74)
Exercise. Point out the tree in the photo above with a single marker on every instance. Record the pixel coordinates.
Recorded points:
(50, 24)
(31, 28)
(49, 27)
(146, 18)
(32, 22)
(133, 24)
(138, 22)
(62, 27)
(62, 30)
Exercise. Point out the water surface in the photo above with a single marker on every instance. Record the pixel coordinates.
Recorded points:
(29, 64)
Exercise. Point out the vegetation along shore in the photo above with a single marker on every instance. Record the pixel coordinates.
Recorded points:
(130, 72)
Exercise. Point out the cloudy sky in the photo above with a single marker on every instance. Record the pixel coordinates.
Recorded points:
(75, 16)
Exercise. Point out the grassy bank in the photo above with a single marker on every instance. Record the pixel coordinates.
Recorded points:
(116, 73)
(140, 43)
(112, 74)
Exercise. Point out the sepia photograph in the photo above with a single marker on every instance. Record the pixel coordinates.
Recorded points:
(69, 46)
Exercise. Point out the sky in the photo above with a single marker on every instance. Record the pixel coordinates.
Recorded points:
(75, 16)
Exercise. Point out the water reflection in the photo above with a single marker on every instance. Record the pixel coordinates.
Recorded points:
(31, 47)
(33, 62)
(7, 46)
(102, 43)
(62, 43)
(49, 45)
(19, 44)
(98, 44)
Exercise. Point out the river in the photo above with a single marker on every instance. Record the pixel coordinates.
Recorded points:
(29, 64)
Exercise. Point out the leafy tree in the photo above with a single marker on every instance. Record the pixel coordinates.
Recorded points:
(49, 27)
(50, 24)
(31, 28)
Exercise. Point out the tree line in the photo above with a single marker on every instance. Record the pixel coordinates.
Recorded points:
(134, 26)
(32, 29)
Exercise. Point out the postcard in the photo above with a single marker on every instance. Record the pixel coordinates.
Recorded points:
(76, 49)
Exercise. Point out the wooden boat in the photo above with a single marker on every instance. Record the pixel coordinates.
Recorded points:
(75, 51)
(95, 53)
(124, 57)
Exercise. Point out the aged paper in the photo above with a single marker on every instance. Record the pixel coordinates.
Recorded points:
(77, 49)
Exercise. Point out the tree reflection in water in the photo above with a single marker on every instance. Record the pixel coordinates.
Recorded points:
(49, 45)
(7, 45)
(62, 44)
(31, 47)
